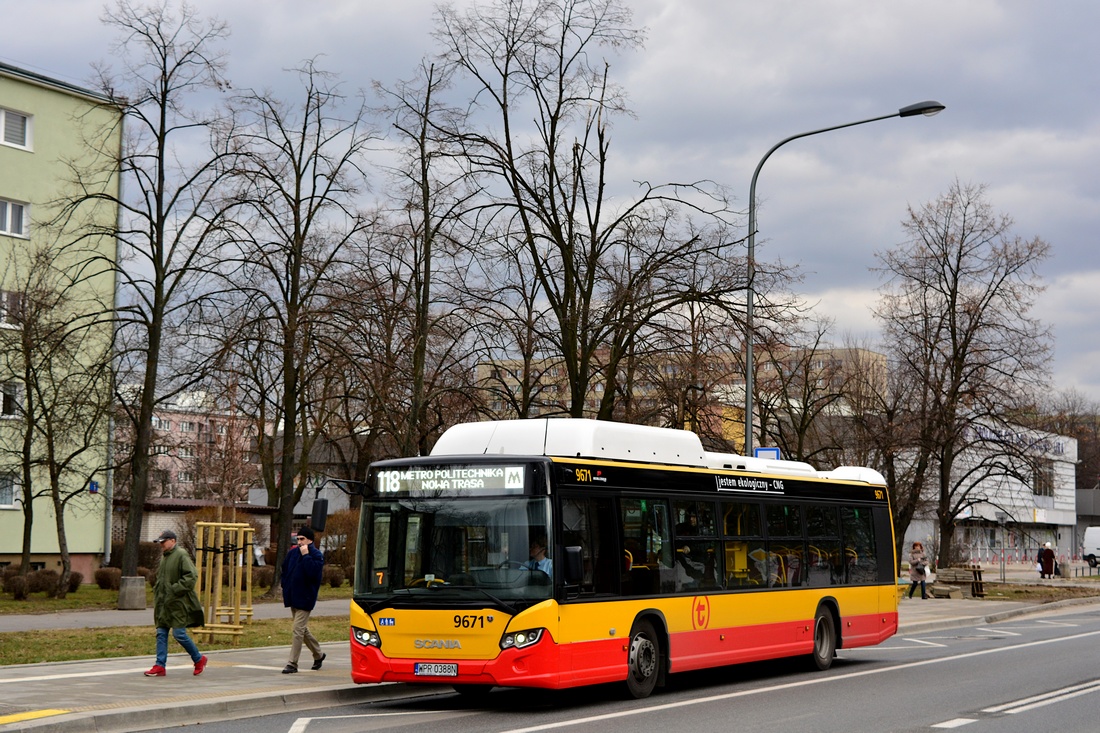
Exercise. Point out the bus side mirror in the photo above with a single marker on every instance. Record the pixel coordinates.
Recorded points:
(574, 566)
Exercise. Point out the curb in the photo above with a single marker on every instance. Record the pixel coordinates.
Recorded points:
(119, 720)
(955, 623)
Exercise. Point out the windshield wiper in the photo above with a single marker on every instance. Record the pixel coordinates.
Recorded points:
(499, 603)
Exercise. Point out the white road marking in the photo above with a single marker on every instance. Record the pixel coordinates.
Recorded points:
(998, 631)
(301, 723)
(265, 667)
(922, 641)
(796, 685)
(956, 723)
(102, 673)
(1047, 698)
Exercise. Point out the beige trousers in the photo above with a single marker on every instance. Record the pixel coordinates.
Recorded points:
(302, 633)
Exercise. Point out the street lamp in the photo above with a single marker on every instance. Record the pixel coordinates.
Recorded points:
(920, 108)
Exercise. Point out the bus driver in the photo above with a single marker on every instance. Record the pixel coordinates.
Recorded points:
(539, 560)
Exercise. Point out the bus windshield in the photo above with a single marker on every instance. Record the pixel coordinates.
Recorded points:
(423, 550)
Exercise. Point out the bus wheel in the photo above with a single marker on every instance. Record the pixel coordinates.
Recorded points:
(824, 639)
(472, 692)
(1092, 560)
(644, 660)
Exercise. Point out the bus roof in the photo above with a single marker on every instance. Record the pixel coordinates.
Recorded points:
(600, 439)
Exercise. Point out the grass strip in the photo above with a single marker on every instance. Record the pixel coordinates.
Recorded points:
(63, 645)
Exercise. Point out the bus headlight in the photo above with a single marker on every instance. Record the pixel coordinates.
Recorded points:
(521, 639)
(366, 638)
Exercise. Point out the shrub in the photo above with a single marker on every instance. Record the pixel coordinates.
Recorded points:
(75, 580)
(148, 554)
(349, 573)
(10, 573)
(149, 575)
(333, 575)
(263, 576)
(108, 578)
(17, 586)
(43, 581)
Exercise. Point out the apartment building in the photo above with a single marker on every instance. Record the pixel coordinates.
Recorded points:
(51, 130)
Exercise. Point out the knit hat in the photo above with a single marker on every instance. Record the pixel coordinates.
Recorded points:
(306, 532)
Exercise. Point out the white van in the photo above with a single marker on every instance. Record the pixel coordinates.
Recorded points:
(1091, 550)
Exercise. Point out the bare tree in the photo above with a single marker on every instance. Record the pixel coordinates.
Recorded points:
(424, 234)
(1071, 413)
(801, 390)
(59, 352)
(956, 310)
(888, 407)
(171, 174)
(603, 270)
(298, 175)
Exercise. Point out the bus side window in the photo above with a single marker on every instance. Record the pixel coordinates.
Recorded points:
(589, 524)
(859, 545)
(824, 566)
(645, 532)
(786, 549)
(746, 559)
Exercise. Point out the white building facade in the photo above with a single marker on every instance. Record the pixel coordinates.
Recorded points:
(1012, 516)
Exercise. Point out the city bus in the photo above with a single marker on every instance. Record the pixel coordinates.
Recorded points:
(562, 552)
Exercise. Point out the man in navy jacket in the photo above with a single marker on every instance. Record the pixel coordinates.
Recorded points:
(302, 570)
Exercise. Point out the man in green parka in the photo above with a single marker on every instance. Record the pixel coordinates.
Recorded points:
(175, 604)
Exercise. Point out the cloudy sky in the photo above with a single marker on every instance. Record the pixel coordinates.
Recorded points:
(721, 81)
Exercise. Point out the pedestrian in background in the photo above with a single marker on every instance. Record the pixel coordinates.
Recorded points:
(175, 604)
(1047, 561)
(302, 571)
(918, 570)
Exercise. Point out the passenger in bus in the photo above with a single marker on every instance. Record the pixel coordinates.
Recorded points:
(539, 560)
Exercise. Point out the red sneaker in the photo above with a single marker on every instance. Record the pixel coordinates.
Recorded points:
(156, 671)
(200, 665)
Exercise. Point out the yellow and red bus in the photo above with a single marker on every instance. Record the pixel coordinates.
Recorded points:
(662, 558)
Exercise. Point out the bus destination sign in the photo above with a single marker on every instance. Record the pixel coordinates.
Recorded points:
(437, 480)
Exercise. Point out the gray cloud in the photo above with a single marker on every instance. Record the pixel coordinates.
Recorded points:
(719, 82)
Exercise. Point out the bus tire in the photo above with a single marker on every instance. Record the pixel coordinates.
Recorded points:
(472, 692)
(644, 659)
(824, 639)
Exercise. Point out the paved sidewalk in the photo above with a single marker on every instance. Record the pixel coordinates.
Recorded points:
(108, 695)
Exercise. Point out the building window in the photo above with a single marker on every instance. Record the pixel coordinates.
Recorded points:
(7, 490)
(159, 424)
(187, 427)
(11, 307)
(186, 477)
(160, 450)
(1043, 478)
(17, 128)
(13, 218)
(186, 451)
(10, 406)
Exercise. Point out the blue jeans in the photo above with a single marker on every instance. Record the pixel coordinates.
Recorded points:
(184, 640)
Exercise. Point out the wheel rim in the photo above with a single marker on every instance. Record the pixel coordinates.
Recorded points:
(643, 657)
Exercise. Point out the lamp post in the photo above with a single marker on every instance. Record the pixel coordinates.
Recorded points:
(920, 108)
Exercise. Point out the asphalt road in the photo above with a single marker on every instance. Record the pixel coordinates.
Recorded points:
(1031, 673)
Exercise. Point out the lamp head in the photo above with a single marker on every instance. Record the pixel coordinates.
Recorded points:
(927, 109)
